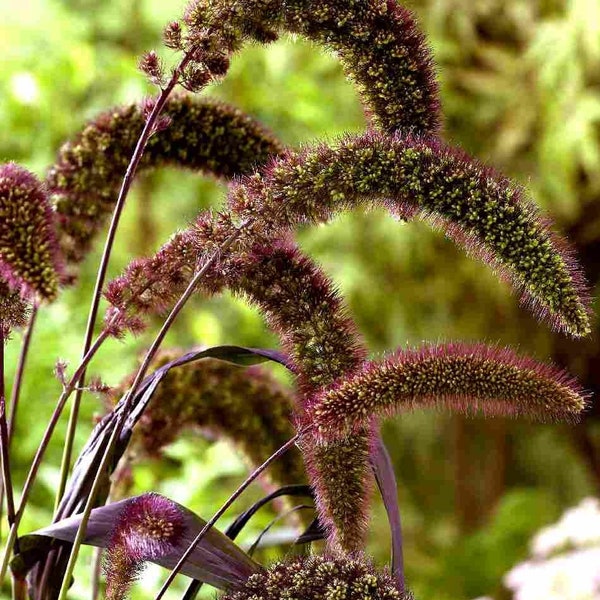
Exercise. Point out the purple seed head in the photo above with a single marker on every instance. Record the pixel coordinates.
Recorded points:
(485, 213)
(29, 260)
(460, 377)
(148, 527)
(320, 577)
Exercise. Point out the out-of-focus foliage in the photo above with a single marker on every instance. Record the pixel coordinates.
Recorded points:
(521, 90)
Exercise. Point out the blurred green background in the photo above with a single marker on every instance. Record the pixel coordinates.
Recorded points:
(521, 90)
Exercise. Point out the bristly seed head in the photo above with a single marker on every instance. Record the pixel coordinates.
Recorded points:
(244, 405)
(29, 260)
(461, 377)
(378, 43)
(203, 135)
(485, 213)
(149, 526)
(318, 577)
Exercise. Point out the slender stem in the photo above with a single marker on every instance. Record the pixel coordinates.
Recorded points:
(4, 454)
(37, 460)
(96, 572)
(148, 130)
(16, 390)
(222, 510)
(98, 479)
(18, 380)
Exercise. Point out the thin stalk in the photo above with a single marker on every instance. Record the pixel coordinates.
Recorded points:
(147, 131)
(96, 572)
(4, 454)
(16, 390)
(130, 394)
(37, 460)
(18, 380)
(222, 510)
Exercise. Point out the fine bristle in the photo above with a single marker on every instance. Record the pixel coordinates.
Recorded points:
(461, 377)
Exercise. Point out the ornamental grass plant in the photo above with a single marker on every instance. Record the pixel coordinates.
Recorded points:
(318, 437)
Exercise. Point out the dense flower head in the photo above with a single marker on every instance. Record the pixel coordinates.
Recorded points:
(382, 51)
(485, 213)
(462, 377)
(203, 135)
(29, 260)
(245, 405)
(149, 526)
(302, 306)
(319, 577)
(13, 310)
(377, 41)
(149, 285)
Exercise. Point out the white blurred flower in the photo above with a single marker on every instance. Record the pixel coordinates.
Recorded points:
(578, 527)
(574, 573)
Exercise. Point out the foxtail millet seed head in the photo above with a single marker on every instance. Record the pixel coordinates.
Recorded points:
(203, 135)
(247, 406)
(317, 577)
(29, 259)
(148, 527)
(485, 213)
(468, 378)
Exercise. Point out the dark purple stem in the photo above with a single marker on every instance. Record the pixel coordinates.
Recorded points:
(147, 132)
(98, 480)
(4, 454)
(18, 380)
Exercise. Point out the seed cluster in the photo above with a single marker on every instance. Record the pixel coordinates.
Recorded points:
(202, 135)
(320, 578)
(465, 378)
(378, 43)
(29, 260)
(148, 527)
(483, 212)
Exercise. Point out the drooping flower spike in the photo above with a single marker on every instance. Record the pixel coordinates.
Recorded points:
(318, 577)
(485, 213)
(244, 405)
(29, 259)
(302, 306)
(378, 42)
(466, 378)
(148, 527)
(203, 135)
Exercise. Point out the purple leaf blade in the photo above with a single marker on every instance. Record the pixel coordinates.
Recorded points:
(386, 482)
(216, 560)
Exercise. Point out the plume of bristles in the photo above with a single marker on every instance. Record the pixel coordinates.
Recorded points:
(485, 213)
(319, 577)
(14, 311)
(377, 41)
(245, 405)
(302, 306)
(203, 135)
(149, 526)
(460, 377)
(149, 286)
(29, 259)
